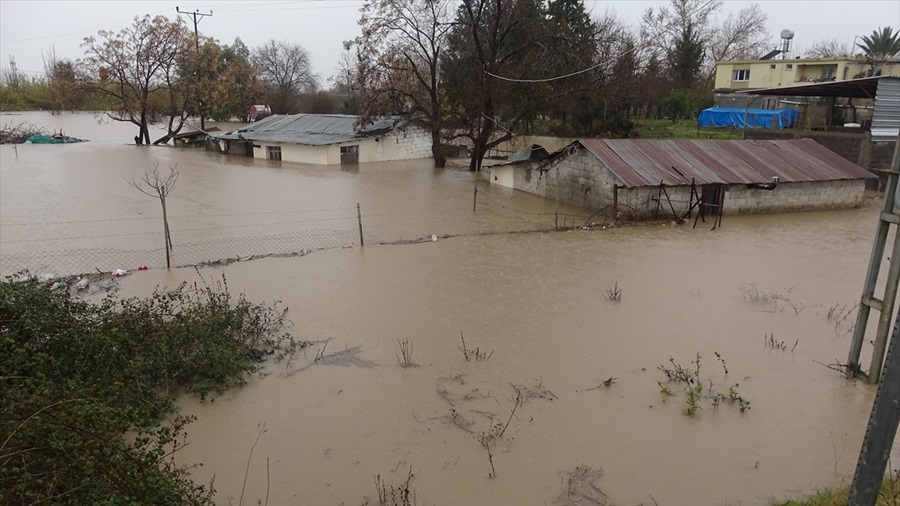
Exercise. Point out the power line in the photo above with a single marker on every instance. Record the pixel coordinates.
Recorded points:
(67, 34)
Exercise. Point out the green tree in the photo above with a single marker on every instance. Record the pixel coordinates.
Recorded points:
(686, 56)
(227, 80)
(882, 44)
(496, 70)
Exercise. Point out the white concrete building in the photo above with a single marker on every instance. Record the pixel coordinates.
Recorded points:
(328, 139)
(639, 179)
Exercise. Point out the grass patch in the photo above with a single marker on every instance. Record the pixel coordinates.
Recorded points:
(649, 128)
(889, 495)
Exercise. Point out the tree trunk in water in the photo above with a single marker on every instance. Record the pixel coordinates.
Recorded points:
(440, 161)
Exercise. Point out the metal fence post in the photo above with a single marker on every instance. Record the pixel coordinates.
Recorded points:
(883, 421)
(359, 220)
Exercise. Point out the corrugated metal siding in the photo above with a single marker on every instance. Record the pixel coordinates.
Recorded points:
(311, 129)
(639, 163)
(886, 117)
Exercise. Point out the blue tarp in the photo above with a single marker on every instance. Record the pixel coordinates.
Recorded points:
(755, 118)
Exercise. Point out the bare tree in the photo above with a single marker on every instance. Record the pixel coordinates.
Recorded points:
(131, 66)
(400, 55)
(343, 82)
(742, 36)
(11, 77)
(286, 70)
(157, 185)
(829, 48)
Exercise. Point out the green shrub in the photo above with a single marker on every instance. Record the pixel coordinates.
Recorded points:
(77, 377)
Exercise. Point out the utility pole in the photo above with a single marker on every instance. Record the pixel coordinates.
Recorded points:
(197, 15)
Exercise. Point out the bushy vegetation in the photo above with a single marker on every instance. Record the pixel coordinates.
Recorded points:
(87, 390)
(888, 495)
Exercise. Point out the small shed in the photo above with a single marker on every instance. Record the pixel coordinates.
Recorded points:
(640, 179)
(194, 138)
(327, 139)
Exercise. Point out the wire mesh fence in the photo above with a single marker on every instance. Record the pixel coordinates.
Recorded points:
(220, 251)
(345, 227)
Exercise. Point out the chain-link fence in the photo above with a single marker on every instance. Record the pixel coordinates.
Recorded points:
(344, 227)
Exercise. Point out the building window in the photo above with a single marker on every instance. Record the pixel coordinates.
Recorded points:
(828, 73)
(789, 66)
(771, 66)
(274, 152)
(740, 75)
(349, 154)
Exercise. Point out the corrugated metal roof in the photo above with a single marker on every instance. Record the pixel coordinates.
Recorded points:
(638, 162)
(886, 117)
(312, 129)
(863, 87)
(534, 152)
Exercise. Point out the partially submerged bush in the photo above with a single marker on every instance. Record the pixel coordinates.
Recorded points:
(77, 376)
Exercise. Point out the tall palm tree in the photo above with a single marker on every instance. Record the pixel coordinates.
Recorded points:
(882, 44)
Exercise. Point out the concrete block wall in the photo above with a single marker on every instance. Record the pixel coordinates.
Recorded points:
(577, 180)
(881, 154)
(405, 143)
(790, 197)
(787, 197)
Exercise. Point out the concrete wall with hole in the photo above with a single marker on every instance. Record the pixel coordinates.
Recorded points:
(581, 180)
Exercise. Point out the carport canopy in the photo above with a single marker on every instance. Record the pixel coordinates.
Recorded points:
(866, 87)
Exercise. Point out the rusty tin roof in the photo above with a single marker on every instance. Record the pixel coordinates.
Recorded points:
(640, 162)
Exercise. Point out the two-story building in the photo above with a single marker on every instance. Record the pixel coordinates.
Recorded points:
(754, 74)
(734, 78)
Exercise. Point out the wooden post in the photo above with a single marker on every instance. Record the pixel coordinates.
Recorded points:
(658, 196)
(556, 213)
(616, 204)
(359, 220)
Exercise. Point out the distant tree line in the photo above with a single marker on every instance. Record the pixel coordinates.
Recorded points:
(483, 70)
(156, 71)
(474, 70)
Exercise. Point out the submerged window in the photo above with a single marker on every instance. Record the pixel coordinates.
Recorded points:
(349, 154)
(274, 152)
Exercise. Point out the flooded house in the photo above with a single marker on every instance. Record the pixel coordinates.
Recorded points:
(671, 179)
(328, 139)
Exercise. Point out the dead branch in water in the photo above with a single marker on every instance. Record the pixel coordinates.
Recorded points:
(260, 430)
(18, 134)
(476, 354)
(580, 488)
(399, 495)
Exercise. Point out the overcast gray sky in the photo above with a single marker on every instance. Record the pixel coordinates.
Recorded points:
(30, 28)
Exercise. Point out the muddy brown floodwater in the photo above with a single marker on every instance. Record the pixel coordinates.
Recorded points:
(534, 303)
